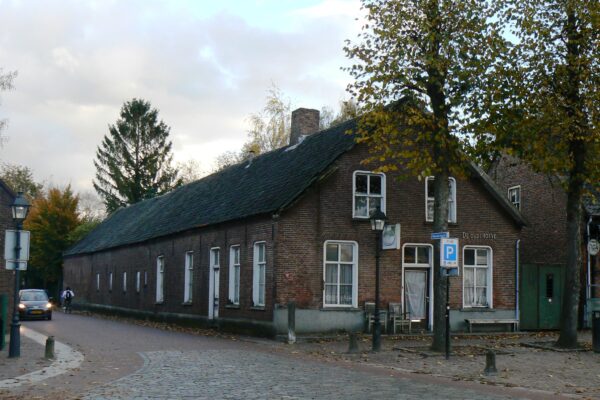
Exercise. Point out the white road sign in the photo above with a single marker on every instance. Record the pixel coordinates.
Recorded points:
(449, 253)
(10, 240)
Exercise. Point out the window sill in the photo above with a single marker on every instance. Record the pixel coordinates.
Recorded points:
(449, 223)
(258, 308)
(477, 309)
(232, 306)
(340, 309)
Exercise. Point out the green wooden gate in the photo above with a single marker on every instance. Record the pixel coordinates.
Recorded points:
(540, 296)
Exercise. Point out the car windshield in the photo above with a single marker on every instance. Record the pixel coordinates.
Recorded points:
(34, 296)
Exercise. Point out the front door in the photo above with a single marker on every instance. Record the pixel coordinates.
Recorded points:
(416, 295)
(550, 299)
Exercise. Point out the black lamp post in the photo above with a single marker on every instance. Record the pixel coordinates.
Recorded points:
(378, 219)
(20, 207)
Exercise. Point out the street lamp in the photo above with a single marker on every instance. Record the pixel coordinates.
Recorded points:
(20, 207)
(378, 219)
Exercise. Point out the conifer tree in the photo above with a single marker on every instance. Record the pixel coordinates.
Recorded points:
(134, 160)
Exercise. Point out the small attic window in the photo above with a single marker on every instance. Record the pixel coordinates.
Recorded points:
(514, 195)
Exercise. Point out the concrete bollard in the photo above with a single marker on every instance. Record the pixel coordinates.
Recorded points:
(353, 343)
(291, 322)
(49, 354)
(490, 363)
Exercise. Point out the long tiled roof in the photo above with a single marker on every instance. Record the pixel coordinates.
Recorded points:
(264, 185)
(267, 184)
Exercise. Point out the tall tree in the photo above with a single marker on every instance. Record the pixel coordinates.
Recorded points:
(348, 109)
(419, 69)
(134, 161)
(20, 179)
(546, 110)
(6, 83)
(51, 220)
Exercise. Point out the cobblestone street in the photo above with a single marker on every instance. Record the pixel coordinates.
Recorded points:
(233, 374)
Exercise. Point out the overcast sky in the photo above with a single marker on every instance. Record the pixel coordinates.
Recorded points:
(205, 64)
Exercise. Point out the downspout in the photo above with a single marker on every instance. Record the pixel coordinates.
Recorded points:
(517, 261)
(588, 286)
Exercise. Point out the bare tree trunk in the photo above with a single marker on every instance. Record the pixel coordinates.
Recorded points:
(440, 224)
(572, 284)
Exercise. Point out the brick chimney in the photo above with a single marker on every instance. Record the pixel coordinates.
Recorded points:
(305, 122)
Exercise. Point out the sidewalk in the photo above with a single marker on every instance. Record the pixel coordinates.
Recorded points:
(523, 360)
(31, 359)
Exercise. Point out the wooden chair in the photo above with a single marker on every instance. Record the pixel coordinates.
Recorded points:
(399, 318)
(370, 316)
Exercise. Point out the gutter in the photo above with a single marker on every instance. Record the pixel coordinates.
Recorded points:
(588, 286)
(517, 265)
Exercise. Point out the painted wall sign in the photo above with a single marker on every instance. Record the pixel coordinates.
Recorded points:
(479, 235)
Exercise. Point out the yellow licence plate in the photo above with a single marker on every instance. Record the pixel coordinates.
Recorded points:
(36, 311)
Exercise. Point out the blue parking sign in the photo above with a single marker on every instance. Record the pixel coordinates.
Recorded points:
(449, 250)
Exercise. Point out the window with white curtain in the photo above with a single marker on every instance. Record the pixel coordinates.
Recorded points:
(160, 279)
(340, 272)
(124, 282)
(137, 281)
(259, 274)
(430, 199)
(188, 279)
(368, 193)
(477, 276)
(234, 274)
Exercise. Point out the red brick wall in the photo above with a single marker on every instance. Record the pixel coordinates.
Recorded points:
(543, 204)
(80, 271)
(325, 213)
(7, 281)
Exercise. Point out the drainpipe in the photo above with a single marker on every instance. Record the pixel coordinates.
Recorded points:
(517, 247)
(588, 286)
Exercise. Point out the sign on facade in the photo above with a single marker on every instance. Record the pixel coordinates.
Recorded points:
(391, 237)
(593, 247)
(10, 241)
(449, 253)
(440, 235)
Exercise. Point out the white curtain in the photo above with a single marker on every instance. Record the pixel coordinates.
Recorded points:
(415, 284)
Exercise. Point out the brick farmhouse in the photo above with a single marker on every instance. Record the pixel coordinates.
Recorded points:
(232, 249)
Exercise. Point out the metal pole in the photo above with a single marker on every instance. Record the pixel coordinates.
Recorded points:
(14, 350)
(376, 320)
(447, 315)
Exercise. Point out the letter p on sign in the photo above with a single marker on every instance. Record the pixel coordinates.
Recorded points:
(449, 250)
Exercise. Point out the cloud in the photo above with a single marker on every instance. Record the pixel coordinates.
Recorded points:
(205, 70)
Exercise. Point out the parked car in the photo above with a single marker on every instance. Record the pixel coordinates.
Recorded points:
(34, 303)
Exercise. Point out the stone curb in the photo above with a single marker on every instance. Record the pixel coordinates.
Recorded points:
(65, 359)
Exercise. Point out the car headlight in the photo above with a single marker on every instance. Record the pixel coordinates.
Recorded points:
(49, 305)
(22, 306)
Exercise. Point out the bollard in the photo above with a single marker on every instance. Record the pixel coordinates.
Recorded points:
(353, 344)
(291, 322)
(49, 348)
(490, 363)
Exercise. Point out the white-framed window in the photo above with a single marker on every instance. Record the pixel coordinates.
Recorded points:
(340, 274)
(477, 276)
(188, 283)
(97, 282)
(160, 279)
(138, 279)
(416, 255)
(514, 195)
(234, 274)
(124, 282)
(429, 199)
(368, 193)
(259, 274)
(110, 281)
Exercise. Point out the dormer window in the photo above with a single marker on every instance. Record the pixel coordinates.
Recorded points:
(514, 195)
(368, 193)
(430, 199)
